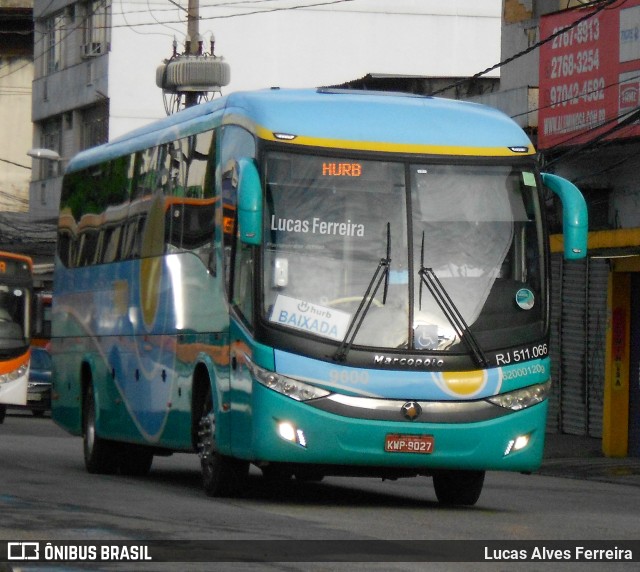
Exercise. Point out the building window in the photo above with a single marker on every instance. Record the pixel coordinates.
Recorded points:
(51, 138)
(54, 39)
(95, 38)
(95, 125)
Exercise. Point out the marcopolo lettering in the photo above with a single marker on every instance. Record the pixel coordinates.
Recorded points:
(381, 359)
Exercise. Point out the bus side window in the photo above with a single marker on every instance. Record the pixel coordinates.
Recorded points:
(112, 244)
(190, 205)
(243, 276)
(229, 219)
(236, 143)
(136, 228)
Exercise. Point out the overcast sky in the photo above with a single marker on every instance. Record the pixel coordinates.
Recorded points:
(302, 43)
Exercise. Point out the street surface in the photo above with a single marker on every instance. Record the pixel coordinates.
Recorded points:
(46, 494)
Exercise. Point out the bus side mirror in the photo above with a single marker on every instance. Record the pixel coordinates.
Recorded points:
(249, 202)
(574, 215)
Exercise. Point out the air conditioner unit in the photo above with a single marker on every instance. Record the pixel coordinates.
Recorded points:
(92, 49)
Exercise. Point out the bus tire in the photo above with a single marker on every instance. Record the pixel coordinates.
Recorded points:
(99, 454)
(3, 412)
(135, 460)
(222, 476)
(458, 487)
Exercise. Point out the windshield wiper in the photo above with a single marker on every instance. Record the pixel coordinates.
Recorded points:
(381, 273)
(449, 309)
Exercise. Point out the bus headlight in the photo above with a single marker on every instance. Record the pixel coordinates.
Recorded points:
(522, 398)
(288, 386)
(15, 374)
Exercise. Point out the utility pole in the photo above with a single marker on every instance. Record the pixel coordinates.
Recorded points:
(193, 42)
(187, 77)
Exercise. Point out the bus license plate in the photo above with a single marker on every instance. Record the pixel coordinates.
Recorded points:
(395, 443)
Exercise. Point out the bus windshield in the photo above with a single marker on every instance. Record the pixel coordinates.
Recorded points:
(14, 302)
(475, 227)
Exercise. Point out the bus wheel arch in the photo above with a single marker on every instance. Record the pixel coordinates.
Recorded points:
(222, 475)
(99, 454)
(103, 456)
(201, 392)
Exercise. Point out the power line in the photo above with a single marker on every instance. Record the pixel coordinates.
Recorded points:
(237, 3)
(44, 36)
(73, 29)
(250, 13)
(581, 133)
(560, 102)
(607, 169)
(629, 119)
(605, 4)
(14, 199)
(15, 164)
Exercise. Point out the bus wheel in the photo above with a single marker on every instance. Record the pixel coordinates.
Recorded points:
(458, 487)
(3, 412)
(99, 454)
(222, 476)
(135, 461)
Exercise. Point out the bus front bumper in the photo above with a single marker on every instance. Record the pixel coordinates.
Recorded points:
(289, 431)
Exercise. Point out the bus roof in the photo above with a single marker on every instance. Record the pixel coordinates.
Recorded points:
(339, 119)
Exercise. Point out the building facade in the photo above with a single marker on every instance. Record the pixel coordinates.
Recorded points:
(70, 108)
(95, 63)
(571, 77)
(16, 74)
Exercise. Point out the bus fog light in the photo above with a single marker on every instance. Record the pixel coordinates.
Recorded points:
(521, 442)
(289, 432)
(517, 444)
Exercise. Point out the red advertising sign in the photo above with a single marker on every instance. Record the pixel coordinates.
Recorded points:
(589, 75)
